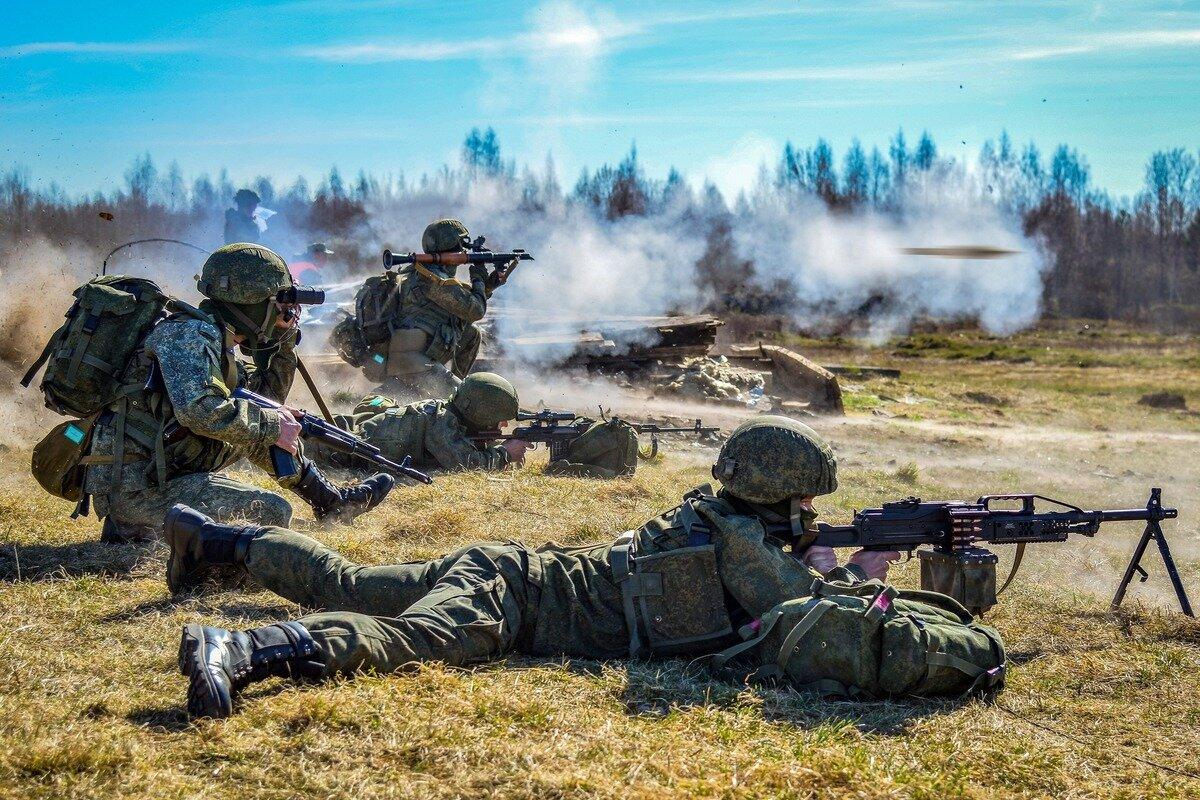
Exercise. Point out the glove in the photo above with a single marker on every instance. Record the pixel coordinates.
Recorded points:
(479, 273)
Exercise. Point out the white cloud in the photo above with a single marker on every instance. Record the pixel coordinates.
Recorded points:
(1118, 40)
(738, 168)
(557, 30)
(93, 48)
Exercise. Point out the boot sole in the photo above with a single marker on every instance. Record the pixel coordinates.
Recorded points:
(205, 697)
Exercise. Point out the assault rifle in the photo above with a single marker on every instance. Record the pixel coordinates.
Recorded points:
(333, 437)
(953, 564)
(558, 429)
(504, 263)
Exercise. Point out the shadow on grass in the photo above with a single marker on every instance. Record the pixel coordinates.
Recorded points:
(165, 719)
(659, 688)
(32, 562)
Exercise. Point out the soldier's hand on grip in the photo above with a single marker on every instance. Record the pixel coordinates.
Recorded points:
(822, 559)
(875, 562)
(516, 450)
(289, 431)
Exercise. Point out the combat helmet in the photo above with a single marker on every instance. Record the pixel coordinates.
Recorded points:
(445, 236)
(772, 458)
(243, 280)
(484, 400)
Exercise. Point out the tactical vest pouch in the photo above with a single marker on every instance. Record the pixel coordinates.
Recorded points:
(375, 305)
(56, 462)
(87, 356)
(348, 339)
(870, 641)
(605, 450)
(690, 608)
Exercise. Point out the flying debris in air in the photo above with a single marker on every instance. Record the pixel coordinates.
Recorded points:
(960, 251)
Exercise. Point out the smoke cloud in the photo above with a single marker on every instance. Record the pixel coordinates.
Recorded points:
(853, 264)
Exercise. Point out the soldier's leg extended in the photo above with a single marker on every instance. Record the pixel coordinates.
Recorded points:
(138, 514)
(290, 564)
(475, 610)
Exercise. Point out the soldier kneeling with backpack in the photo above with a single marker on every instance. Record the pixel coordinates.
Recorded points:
(148, 380)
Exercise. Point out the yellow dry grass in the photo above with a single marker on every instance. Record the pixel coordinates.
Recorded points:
(91, 704)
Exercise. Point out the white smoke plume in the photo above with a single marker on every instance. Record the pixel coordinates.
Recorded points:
(845, 264)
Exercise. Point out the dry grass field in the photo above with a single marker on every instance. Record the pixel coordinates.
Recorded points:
(91, 704)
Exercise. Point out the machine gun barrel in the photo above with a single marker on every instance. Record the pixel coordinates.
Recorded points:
(333, 437)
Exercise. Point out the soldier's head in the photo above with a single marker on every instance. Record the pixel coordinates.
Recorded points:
(246, 201)
(251, 288)
(485, 401)
(445, 236)
(777, 463)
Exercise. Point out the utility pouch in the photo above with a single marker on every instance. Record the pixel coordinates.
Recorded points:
(58, 458)
(689, 606)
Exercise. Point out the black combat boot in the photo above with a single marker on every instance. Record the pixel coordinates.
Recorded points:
(219, 663)
(343, 503)
(200, 547)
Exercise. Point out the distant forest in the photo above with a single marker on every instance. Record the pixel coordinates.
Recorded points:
(1135, 259)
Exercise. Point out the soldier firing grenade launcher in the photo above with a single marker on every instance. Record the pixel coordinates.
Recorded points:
(333, 437)
(956, 566)
(504, 263)
(558, 429)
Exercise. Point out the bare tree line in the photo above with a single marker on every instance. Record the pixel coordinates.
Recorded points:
(1134, 258)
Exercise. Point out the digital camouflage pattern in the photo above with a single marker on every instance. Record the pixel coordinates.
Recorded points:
(445, 236)
(243, 273)
(485, 401)
(430, 432)
(430, 320)
(606, 450)
(198, 369)
(773, 458)
(490, 599)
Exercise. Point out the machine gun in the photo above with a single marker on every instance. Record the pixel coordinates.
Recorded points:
(558, 429)
(953, 564)
(504, 263)
(333, 437)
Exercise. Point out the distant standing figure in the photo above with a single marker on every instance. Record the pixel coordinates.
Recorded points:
(239, 222)
(307, 266)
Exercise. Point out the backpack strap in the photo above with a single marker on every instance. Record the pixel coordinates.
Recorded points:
(984, 680)
(755, 632)
(797, 633)
(39, 362)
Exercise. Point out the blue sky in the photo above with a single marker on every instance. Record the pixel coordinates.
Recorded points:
(296, 86)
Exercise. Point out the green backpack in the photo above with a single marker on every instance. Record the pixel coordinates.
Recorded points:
(86, 357)
(869, 641)
(374, 306)
(605, 450)
(348, 340)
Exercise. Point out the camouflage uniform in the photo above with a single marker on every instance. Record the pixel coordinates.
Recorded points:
(682, 584)
(432, 432)
(174, 424)
(702, 569)
(433, 322)
(198, 369)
